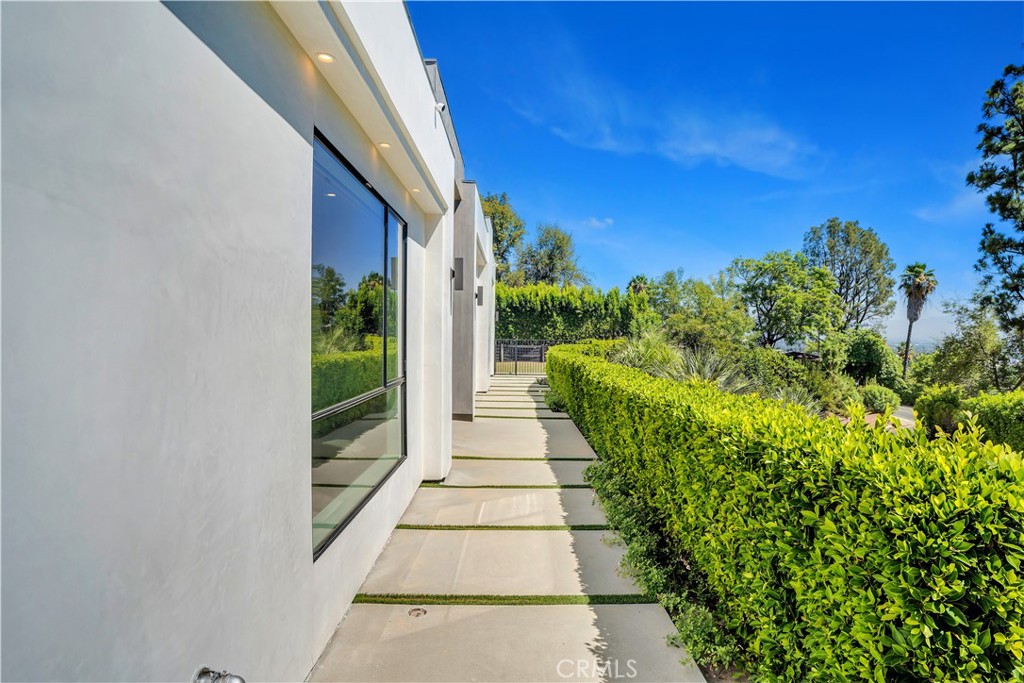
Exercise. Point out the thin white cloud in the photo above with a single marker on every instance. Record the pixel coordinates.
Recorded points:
(595, 223)
(964, 203)
(961, 203)
(588, 110)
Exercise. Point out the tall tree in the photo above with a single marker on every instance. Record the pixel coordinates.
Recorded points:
(977, 355)
(917, 283)
(328, 294)
(508, 230)
(667, 293)
(1001, 176)
(861, 265)
(551, 259)
(789, 299)
(710, 314)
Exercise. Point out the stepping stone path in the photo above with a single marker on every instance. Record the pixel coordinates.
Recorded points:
(505, 571)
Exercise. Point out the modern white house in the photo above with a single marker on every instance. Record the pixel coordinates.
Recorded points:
(197, 199)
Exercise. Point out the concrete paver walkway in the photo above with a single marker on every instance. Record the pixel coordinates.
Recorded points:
(506, 570)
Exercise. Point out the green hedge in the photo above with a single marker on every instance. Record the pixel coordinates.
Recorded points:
(338, 377)
(542, 311)
(836, 553)
(1001, 416)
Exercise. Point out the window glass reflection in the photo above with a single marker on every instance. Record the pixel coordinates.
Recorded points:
(395, 286)
(357, 313)
(352, 453)
(347, 284)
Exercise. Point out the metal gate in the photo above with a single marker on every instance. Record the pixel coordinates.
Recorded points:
(521, 356)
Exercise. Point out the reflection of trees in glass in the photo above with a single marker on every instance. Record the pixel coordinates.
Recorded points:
(333, 325)
(341, 319)
(367, 302)
(328, 293)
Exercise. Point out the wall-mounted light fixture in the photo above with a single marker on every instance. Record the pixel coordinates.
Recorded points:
(458, 273)
(324, 58)
(384, 145)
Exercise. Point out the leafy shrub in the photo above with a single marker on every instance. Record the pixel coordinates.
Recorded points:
(701, 633)
(835, 553)
(554, 402)
(910, 392)
(1001, 416)
(835, 393)
(870, 357)
(834, 351)
(771, 369)
(938, 406)
(878, 399)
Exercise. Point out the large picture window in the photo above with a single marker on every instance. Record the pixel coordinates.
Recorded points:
(358, 367)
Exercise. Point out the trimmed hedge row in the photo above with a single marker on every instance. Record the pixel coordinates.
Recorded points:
(836, 553)
(542, 311)
(1001, 416)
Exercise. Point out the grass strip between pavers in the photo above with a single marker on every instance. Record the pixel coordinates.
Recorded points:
(505, 527)
(438, 485)
(500, 600)
(517, 458)
(516, 407)
(520, 417)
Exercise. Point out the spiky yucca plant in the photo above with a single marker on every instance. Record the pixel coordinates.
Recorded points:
(649, 352)
(704, 363)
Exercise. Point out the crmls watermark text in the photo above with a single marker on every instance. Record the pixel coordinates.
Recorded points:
(591, 668)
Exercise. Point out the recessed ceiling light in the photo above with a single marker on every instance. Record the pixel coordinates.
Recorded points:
(384, 145)
(331, 194)
(415, 190)
(324, 57)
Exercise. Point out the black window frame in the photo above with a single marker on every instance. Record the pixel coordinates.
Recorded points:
(398, 382)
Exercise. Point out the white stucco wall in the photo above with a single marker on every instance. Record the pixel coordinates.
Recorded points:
(155, 284)
(484, 357)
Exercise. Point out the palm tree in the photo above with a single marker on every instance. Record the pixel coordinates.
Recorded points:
(639, 284)
(917, 283)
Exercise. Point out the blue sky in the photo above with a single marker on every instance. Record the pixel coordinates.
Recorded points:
(678, 135)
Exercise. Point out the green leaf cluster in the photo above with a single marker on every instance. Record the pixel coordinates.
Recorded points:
(1001, 177)
(879, 399)
(789, 299)
(543, 311)
(861, 265)
(836, 553)
(507, 229)
(1000, 416)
